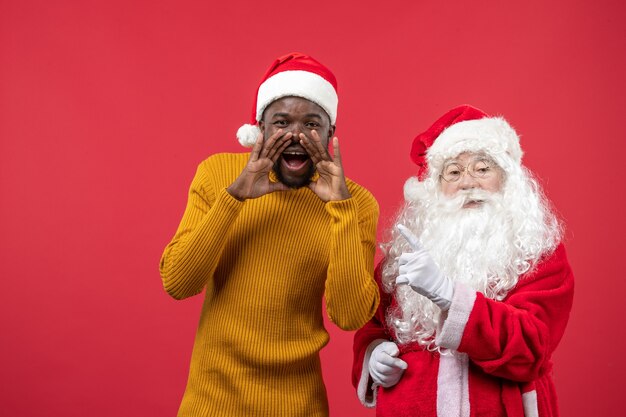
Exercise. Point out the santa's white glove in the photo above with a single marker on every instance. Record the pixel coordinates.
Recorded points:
(418, 270)
(384, 366)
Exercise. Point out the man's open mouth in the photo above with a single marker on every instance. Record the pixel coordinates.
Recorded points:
(295, 160)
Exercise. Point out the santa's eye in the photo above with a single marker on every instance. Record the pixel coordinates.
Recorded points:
(452, 173)
(481, 169)
(452, 170)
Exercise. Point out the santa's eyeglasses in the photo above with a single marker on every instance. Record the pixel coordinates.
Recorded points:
(481, 169)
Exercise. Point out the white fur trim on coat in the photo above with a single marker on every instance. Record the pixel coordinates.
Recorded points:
(303, 84)
(453, 386)
(529, 400)
(450, 333)
(365, 392)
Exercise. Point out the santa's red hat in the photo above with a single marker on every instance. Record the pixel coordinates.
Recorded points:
(297, 75)
(462, 129)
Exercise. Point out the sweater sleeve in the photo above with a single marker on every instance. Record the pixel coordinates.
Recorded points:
(191, 257)
(351, 293)
(514, 338)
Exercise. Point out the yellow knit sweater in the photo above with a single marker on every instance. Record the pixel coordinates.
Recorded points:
(265, 264)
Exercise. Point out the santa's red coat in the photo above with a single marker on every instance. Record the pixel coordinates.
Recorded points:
(501, 361)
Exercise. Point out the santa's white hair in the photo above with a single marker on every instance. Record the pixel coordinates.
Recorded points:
(488, 248)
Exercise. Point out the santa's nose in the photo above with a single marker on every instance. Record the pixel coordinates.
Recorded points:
(467, 182)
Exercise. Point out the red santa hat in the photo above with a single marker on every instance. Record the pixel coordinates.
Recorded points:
(294, 74)
(462, 129)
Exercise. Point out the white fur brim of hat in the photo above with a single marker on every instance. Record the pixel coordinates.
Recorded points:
(493, 136)
(303, 84)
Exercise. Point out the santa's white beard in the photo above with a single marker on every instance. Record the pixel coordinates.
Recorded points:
(484, 247)
(470, 245)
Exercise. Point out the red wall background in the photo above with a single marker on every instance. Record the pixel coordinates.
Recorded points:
(106, 108)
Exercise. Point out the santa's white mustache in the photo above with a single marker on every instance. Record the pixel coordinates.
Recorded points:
(462, 197)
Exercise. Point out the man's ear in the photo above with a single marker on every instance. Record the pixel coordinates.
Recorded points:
(262, 127)
(331, 131)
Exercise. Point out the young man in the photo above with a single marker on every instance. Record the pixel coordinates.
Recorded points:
(266, 235)
(476, 286)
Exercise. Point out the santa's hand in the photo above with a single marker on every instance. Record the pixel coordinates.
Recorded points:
(419, 271)
(384, 366)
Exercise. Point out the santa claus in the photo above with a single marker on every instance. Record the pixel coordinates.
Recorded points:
(476, 287)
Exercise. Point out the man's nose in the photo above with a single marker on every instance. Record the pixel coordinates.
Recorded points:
(296, 130)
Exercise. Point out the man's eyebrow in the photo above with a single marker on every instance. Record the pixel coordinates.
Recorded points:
(316, 115)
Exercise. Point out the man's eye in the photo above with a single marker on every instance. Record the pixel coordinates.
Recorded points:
(453, 172)
(281, 123)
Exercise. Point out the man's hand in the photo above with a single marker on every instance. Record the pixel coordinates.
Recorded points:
(419, 271)
(384, 366)
(254, 181)
(331, 183)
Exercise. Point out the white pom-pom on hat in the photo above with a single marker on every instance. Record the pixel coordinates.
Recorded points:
(417, 190)
(248, 134)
